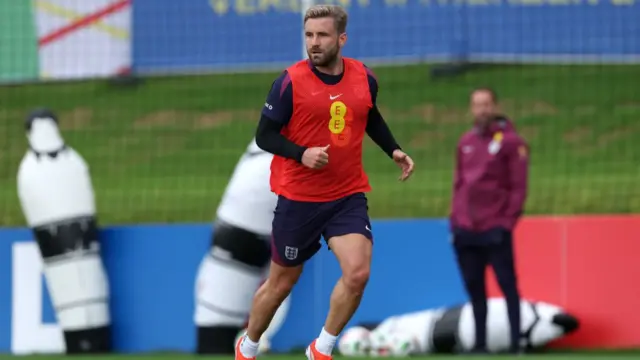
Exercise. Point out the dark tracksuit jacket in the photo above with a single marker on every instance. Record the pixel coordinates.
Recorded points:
(490, 181)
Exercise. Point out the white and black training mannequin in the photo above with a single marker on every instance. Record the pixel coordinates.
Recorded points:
(238, 259)
(57, 200)
(452, 330)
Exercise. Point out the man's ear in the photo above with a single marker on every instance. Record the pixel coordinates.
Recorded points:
(342, 39)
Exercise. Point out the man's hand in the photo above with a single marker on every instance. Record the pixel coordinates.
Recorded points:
(404, 162)
(315, 157)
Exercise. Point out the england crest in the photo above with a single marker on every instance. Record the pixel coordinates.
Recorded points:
(496, 143)
(291, 253)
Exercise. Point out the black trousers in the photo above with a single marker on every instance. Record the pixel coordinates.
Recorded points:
(476, 251)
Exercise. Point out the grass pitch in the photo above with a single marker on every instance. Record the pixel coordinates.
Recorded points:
(163, 151)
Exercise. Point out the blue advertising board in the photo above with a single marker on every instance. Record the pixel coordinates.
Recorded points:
(234, 34)
(152, 270)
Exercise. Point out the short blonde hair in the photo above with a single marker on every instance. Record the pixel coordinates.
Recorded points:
(336, 12)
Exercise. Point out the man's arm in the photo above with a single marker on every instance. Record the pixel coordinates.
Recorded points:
(457, 175)
(276, 113)
(377, 128)
(457, 183)
(518, 165)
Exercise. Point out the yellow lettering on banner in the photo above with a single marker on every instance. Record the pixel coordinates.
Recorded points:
(527, 2)
(220, 7)
(245, 7)
(395, 2)
(266, 5)
(559, 2)
(277, 5)
(294, 5)
(623, 2)
(343, 3)
(251, 7)
(480, 2)
(348, 3)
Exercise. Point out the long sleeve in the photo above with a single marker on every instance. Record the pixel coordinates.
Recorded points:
(518, 164)
(269, 139)
(457, 174)
(457, 183)
(276, 113)
(379, 132)
(377, 128)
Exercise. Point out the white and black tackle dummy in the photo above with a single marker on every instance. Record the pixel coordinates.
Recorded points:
(452, 330)
(56, 195)
(239, 257)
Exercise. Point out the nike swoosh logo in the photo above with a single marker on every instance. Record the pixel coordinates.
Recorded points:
(334, 97)
(367, 227)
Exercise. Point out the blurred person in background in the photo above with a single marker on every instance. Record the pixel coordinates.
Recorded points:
(237, 262)
(490, 188)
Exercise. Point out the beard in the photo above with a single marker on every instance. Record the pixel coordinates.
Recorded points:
(324, 58)
(484, 119)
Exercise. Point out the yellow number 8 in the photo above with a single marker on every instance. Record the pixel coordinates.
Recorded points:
(338, 111)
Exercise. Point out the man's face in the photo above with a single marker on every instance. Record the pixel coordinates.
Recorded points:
(483, 107)
(323, 41)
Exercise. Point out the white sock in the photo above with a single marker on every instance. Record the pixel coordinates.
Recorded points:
(325, 342)
(248, 347)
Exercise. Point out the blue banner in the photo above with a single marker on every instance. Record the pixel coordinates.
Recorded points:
(234, 34)
(152, 271)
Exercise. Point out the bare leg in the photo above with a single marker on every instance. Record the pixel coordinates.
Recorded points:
(266, 302)
(344, 302)
(354, 254)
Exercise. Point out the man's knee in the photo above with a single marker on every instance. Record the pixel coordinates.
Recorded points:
(282, 279)
(472, 266)
(476, 292)
(356, 278)
(476, 286)
(506, 277)
(282, 287)
(354, 254)
(509, 288)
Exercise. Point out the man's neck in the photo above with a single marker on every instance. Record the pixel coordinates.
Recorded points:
(336, 68)
(484, 129)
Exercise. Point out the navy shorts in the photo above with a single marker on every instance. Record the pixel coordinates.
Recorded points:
(298, 226)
